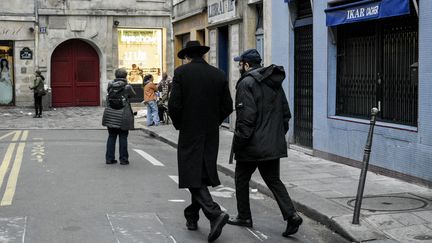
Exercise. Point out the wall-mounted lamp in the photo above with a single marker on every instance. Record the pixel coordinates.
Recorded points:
(116, 23)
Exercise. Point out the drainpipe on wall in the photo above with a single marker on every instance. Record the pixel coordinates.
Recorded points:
(36, 34)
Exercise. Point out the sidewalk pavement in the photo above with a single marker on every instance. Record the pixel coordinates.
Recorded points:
(393, 210)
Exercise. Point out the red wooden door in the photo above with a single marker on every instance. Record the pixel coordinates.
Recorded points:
(75, 75)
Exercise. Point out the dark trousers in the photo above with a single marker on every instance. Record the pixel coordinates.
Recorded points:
(270, 172)
(161, 110)
(111, 142)
(202, 199)
(37, 104)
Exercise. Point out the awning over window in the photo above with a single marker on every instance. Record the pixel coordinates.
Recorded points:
(366, 10)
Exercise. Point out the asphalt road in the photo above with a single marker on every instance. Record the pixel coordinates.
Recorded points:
(56, 187)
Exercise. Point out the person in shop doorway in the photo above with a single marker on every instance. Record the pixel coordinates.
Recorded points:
(118, 117)
(38, 92)
(150, 99)
(164, 89)
(6, 92)
(199, 101)
(259, 136)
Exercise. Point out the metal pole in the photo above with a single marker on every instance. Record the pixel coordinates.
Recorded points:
(364, 170)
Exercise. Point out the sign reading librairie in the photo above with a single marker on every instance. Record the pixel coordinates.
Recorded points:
(220, 10)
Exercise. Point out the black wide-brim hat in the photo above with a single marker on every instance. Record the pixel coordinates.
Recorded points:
(193, 47)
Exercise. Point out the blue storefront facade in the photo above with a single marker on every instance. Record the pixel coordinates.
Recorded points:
(364, 54)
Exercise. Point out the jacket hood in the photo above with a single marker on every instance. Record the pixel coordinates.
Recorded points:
(272, 75)
(118, 82)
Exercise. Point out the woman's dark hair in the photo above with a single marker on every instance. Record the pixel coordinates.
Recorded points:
(1, 64)
(147, 77)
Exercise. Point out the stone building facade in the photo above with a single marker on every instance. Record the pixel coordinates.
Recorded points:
(77, 44)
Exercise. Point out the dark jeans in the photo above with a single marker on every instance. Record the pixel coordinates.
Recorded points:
(270, 172)
(38, 104)
(161, 110)
(111, 142)
(202, 199)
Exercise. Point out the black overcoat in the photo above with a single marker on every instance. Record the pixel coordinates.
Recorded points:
(200, 100)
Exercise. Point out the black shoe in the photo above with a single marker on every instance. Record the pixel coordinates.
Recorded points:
(192, 225)
(124, 162)
(109, 162)
(40, 116)
(35, 116)
(216, 226)
(293, 225)
(240, 222)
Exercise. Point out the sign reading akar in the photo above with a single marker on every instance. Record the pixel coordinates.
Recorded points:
(220, 10)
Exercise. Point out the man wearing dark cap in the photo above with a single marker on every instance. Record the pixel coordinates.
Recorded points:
(200, 100)
(259, 137)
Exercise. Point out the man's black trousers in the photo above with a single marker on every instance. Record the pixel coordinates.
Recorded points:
(202, 199)
(270, 172)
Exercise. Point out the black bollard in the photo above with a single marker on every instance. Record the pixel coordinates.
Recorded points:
(364, 170)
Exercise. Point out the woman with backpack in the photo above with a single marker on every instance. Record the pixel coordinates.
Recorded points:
(38, 91)
(118, 117)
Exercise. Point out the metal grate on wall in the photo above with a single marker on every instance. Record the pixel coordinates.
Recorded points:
(377, 66)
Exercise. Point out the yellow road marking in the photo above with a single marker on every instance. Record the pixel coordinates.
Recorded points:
(25, 135)
(7, 134)
(6, 161)
(13, 177)
(17, 135)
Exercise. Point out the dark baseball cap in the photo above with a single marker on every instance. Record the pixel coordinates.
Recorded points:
(249, 55)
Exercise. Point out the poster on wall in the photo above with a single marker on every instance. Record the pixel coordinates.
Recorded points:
(6, 77)
(140, 52)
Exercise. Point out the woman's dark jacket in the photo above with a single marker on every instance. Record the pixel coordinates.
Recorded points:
(262, 115)
(199, 101)
(120, 118)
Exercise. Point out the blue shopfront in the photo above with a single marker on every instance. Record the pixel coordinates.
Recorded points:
(371, 53)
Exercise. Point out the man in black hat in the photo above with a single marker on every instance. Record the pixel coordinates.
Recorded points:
(259, 137)
(200, 100)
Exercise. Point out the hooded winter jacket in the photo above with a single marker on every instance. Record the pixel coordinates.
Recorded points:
(262, 115)
(121, 118)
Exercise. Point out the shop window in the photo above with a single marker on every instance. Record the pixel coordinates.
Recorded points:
(377, 67)
(140, 51)
(6, 73)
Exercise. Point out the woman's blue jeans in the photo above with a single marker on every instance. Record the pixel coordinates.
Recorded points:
(152, 113)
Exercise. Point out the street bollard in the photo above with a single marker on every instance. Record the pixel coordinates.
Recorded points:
(364, 170)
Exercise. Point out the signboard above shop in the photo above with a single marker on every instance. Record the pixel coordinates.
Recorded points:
(366, 10)
(220, 10)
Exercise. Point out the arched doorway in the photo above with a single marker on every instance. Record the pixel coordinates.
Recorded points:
(75, 75)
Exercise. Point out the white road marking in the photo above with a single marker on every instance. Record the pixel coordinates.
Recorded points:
(176, 200)
(253, 233)
(262, 235)
(174, 178)
(149, 158)
(172, 238)
(222, 208)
